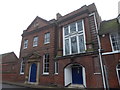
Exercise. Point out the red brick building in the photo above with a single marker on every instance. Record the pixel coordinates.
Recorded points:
(63, 51)
(9, 66)
(110, 44)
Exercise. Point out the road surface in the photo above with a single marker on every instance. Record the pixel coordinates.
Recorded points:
(10, 86)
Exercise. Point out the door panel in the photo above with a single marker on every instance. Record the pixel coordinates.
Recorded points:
(33, 72)
(77, 75)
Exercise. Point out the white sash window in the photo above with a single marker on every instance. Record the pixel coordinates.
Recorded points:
(74, 38)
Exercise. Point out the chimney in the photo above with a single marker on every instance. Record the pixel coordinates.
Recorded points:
(58, 16)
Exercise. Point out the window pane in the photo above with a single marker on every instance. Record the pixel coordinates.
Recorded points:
(119, 74)
(56, 67)
(66, 30)
(22, 67)
(115, 37)
(46, 63)
(74, 45)
(47, 38)
(25, 44)
(72, 27)
(79, 25)
(81, 43)
(35, 41)
(67, 50)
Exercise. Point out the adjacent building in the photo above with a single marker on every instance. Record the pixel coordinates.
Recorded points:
(9, 65)
(109, 34)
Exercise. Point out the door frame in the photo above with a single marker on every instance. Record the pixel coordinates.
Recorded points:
(30, 74)
(68, 79)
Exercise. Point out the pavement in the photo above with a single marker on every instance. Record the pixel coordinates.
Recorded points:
(27, 85)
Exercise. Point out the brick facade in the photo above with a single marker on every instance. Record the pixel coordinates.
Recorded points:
(110, 58)
(9, 66)
(88, 62)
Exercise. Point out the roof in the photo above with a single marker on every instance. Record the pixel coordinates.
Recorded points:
(108, 26)
(9, 57)
(40, 20)
(84, 9)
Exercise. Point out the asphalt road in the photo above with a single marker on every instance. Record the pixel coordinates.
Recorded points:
(10, 86)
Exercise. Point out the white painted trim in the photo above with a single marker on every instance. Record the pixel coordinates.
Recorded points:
(21, 68)
(97, 73)
(63, 42)
(111, 42)
(45, 38)
(91, 14)
(44, 73)
(35, 41)
(69, 70)
(84, 76)
(78, 44)
(118, 75)
(74, 34)
(25, 41)
(84, 34)
(107, 53)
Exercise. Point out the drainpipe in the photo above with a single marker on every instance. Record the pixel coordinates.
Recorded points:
(99, 50)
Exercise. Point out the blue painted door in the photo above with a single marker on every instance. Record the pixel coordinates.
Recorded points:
(77, 77)
(33, 72)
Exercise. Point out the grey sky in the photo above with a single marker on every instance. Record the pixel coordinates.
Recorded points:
(16, 15)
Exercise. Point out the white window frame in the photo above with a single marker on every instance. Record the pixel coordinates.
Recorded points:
(45, 73)
(22, 67)
(56, 67)
(112, 43)
(118, 74)
(74, 34)
(46, 42)
(35, 41)
(25, 42)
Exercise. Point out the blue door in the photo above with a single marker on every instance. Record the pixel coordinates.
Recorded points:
(33, 72)
(77, 77)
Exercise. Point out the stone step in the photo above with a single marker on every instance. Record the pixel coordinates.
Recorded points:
(76, 86)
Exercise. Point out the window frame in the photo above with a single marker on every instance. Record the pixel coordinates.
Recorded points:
(21, 68)
(111, 42)
(45, 37)
(56, 67)
(35, 41)
(45, 73)
(77, 34)
(24, 45)
(118, 74)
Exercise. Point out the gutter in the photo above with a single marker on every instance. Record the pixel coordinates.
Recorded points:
(99, 50)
